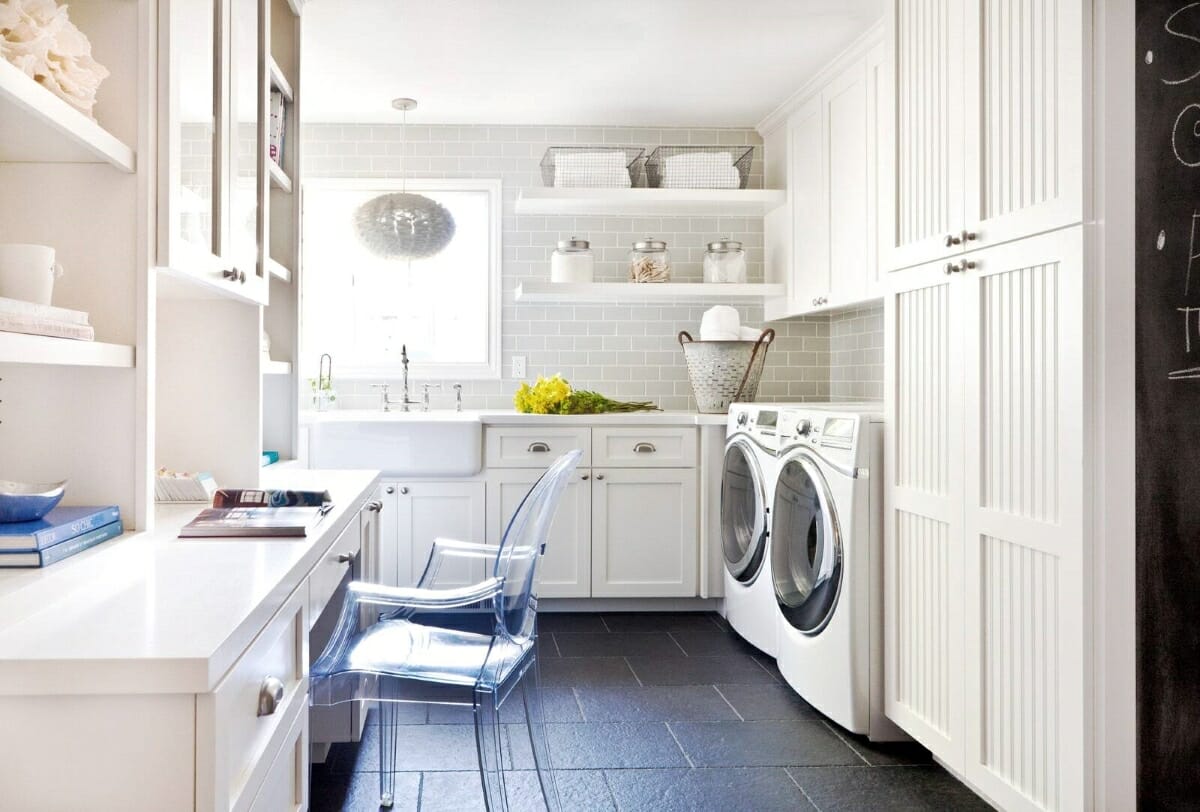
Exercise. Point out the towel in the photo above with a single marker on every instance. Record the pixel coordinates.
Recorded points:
(720, 323)
(749, 333)
(605, 168)
(707, 170)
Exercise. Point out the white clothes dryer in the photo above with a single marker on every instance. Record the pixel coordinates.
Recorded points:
(826, 563)
(746, 477)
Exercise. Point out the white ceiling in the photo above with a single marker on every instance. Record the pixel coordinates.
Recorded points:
(699, 63)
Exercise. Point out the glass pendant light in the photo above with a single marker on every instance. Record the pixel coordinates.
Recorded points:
(400, 225)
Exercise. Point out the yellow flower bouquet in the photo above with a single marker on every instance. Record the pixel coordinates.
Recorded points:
(554, 395)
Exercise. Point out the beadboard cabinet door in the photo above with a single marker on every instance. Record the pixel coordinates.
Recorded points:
(1024, 521)
(1024, 118)
(566, 568)
(923, 549)
(922, 212)
(644, 531)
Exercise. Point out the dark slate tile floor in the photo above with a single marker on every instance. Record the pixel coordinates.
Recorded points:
(656, 712)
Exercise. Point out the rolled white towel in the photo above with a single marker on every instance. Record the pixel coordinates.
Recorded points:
(720, 323)
(749, 333)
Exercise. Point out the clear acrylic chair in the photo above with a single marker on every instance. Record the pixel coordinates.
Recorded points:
(423, 644)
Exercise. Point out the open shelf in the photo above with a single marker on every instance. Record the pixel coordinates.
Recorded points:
(643, 292)
(277, 367)
(278, 80)
(279, 270)
(18, 348)
(37, 126)
(279, 178)
(633, 202)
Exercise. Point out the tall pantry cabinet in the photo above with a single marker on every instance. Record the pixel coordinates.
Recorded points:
(983, 250)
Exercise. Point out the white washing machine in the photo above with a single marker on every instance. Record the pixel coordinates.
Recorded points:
(746, 478)
(826, 562)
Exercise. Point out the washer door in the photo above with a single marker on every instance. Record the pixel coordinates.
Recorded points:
(806, 546)
(743, 519)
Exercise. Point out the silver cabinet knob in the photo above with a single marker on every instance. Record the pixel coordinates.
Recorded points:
(539, 448)
(970, 265)
(953, 240)
(269, 696)
(345, 558)
(969, 236)
(404, 490)
(585, 477)
(952, 267)
(390, 489)
(599, 476)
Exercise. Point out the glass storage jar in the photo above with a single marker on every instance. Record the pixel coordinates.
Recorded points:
(572, 261)
(725, 262)
(649, 261)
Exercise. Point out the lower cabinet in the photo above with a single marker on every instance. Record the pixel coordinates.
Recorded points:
(566, 569)
(416, 513)
(644, 532)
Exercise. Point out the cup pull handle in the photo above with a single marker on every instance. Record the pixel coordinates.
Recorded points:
(539, 448)
(644, 448)
(269, 696)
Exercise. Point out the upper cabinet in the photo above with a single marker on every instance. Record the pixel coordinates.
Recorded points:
(211, 190)
(986, 126)
(823, 245)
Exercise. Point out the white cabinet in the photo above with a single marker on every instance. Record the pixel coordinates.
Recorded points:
(824, 246)
(985, 547)
(416, 513)
(987, 126)
(210, 194)
(566, 569)
(644, 532)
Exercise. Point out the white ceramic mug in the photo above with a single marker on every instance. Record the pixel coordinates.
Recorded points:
(27, 272)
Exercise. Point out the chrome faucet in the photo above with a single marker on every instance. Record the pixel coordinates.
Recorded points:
(404, 402)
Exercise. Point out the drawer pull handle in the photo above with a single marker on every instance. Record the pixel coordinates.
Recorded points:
(539, 448)
(374, 506)
(644, 448)
(345, 558)
(269, 696)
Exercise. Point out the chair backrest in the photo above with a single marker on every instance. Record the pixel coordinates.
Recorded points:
(522, 547)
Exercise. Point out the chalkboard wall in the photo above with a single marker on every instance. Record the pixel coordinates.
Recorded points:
(1168, 403)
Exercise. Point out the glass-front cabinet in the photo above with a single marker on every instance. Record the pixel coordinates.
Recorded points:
(212, 174)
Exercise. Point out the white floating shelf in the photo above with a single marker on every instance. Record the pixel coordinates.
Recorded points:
(37, 126)
(633, 202)
(279, 178)
(18, 348)
(279, 270)
(643, 292)
(278, 80)
(277, 367)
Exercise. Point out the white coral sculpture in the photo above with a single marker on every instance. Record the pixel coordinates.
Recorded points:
(39, 38)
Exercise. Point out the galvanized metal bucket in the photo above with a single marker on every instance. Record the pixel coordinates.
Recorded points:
(724, 372)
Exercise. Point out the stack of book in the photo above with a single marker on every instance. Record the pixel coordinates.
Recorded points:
(17, 316)
(62, 533)
(277, 130)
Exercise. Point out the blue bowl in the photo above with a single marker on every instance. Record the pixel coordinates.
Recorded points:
(28, 502)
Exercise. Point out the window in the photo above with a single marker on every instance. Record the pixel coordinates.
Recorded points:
(361, 307)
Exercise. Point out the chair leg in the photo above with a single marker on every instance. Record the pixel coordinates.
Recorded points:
(535, 720)
(488, 735)
(388, 732)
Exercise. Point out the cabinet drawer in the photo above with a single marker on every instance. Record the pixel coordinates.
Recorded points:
(326, 575)
(235, 744)
(285, 787)
(536, 447)
(645, 448)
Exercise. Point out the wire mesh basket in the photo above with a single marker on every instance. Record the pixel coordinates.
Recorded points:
(699, 167)
(594, 167)
(724, 372)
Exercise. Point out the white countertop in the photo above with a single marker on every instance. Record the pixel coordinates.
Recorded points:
(510, 417)
(151, 613)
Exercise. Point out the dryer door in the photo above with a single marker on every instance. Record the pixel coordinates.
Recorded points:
(806, 546)
(743, 515)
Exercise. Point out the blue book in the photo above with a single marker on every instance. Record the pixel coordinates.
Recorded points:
(57, 526)
(64, 549)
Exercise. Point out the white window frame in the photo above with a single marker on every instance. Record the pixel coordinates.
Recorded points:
(493, 187)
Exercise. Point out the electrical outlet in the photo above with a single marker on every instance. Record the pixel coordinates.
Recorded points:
(518, 366)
